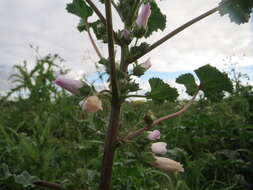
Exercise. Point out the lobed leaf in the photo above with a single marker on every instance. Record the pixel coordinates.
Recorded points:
(79, 8)
(189, 82)
(238, 10)
(213, 82)
(161, 91)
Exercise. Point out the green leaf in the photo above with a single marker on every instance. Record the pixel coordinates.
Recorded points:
(4, 172)
(161, 91)
(79, 8)
(26, 179)
(82, 25)
(85, 90)
(136, 50)
(238, 10)
(156, 21)
(189, 82)
(213, 82)
(100, 30)
(148, 157)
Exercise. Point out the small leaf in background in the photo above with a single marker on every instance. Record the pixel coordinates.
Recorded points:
(148, 157)
(156, 21)
(161, 91)
(213, 82)
(238, 10)
(26, 179)
(189, 82)
(4, 172)
(79, 8)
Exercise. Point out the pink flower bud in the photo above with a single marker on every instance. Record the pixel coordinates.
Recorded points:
(144, 15)
(69, 84)
(146, 65)
(91, 104)
(167, 165)
(159, 148)
(153, 135)
(125, 34)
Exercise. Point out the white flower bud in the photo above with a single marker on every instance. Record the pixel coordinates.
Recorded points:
(91, 104)
(167, 165)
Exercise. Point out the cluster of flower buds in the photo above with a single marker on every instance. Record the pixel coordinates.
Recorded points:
(160, 148)
(91, 104)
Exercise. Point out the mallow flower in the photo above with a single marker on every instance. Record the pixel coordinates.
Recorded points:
(167, 165)
(146, 65)
(142, 19)
(159, 148)
(91, 104)
(69, 84)
(153, 135)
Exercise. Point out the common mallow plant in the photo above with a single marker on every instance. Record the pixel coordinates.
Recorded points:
(140, 19)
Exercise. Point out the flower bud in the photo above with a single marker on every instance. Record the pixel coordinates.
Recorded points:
(125, 34)
(69, 84)
(153, 135)
(91, 104)
(167, 165)
(144, 15)
(146, 65)
(159, 148)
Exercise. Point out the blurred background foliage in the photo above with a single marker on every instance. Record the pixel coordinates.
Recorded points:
(45, 135)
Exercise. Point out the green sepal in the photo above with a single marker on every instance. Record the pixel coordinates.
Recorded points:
(137, 50)
(139, 32)
(239, 11)
(85, 90)
(213, 82)
(161, 91)
(79, 8)
(138, 70)
(189, 82)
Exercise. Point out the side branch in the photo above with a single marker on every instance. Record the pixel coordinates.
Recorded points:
(161, 119)
(173, 33)
(99, 14)
(47, 184)
(94, 44)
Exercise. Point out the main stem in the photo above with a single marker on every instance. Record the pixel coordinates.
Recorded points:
(110, 142)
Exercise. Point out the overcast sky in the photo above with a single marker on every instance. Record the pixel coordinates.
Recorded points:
(46, 23)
